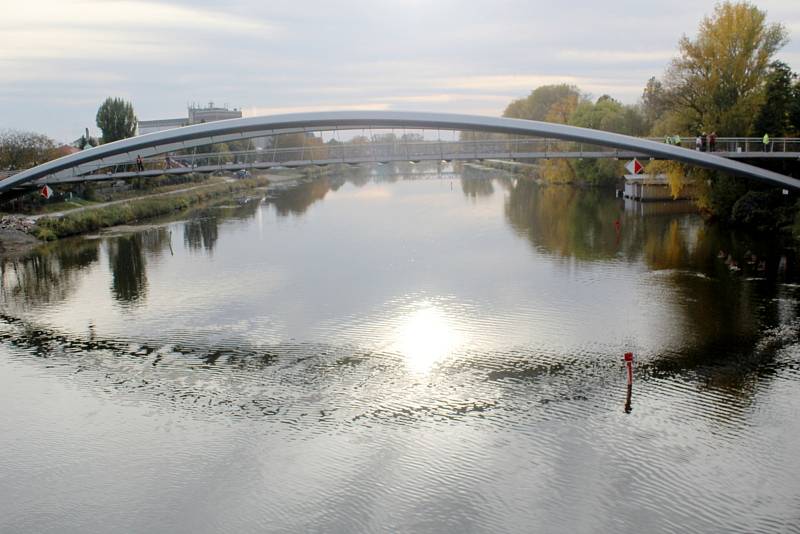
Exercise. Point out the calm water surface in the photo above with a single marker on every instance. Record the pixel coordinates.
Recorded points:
(400, 350)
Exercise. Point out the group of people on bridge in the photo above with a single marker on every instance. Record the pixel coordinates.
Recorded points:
(706, 142)
(703, 142)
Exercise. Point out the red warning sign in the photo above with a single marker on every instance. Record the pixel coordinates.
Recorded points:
(634, 167)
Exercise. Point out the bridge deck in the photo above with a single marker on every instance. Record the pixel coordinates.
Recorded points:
(480, 138)
(268, 159)
(157, 166)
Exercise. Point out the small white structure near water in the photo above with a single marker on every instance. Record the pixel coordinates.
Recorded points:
(647, 187)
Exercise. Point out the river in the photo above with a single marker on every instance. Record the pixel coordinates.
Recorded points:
(403, 349)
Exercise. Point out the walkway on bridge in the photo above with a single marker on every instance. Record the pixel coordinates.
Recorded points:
(379, 137)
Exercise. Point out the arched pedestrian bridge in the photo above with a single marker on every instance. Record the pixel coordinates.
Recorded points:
(380, 136)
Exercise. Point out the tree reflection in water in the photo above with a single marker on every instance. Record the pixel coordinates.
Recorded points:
(201, 233)
(48, 274)
(477, 187)
(127, 258)
(296, 200)
(717, 276)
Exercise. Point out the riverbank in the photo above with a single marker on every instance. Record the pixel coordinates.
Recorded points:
(14, 241)
(53, 226)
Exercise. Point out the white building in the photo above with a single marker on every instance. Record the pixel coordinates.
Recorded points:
(211, 114)
(196, 115)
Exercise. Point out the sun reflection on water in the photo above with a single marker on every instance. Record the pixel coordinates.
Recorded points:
(425, 337)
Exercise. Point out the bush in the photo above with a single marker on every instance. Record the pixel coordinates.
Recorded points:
(753, 209)
(762, 210)
(43, 233)
(725, 192)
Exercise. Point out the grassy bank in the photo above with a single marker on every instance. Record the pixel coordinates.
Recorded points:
(90, 220)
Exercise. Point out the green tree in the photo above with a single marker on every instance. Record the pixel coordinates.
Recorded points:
(544, 103)
(775, 115)
(116, 120)
(608, 115)
(717, 83)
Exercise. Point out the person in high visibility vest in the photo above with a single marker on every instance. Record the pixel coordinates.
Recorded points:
(765, 140)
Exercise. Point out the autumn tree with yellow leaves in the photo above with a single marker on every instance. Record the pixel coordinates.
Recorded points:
(717, 83)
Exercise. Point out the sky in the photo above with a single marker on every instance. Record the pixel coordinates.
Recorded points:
(59, 59)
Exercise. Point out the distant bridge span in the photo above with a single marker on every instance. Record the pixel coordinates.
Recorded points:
(125, 152)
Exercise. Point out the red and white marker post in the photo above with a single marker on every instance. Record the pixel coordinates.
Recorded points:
(629, 365)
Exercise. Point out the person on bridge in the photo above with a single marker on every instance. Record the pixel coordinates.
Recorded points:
(698, 143)
(712, 141)
(139, 163)
(765, 140)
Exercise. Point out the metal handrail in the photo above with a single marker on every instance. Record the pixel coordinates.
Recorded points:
(408, 150)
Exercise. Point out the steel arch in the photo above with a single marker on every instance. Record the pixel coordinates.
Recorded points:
(227, 130)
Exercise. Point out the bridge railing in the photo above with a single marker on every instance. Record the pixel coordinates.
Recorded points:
(742, 144)
(314, 150)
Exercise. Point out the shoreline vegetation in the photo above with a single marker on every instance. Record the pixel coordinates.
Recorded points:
(726, 81)
(83, 221)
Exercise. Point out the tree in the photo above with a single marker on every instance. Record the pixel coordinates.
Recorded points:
(116, 120)
(794, 109)
(538, 106)
(775, 115)
(654, 101)
(717, 83)
(21, 150)
(608, 115)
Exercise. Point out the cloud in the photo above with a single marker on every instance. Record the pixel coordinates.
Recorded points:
(615, 56)
(127, 14)
(60, 58)
(26, 45)
(256, 111)
(503, 82)
(441, 98)
(124, 30)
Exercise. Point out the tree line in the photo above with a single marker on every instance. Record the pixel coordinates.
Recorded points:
(725, 80)
(21, 150)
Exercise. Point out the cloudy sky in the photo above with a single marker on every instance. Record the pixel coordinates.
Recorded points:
(60, 58)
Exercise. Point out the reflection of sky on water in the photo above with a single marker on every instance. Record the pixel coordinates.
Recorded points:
(349, 260)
